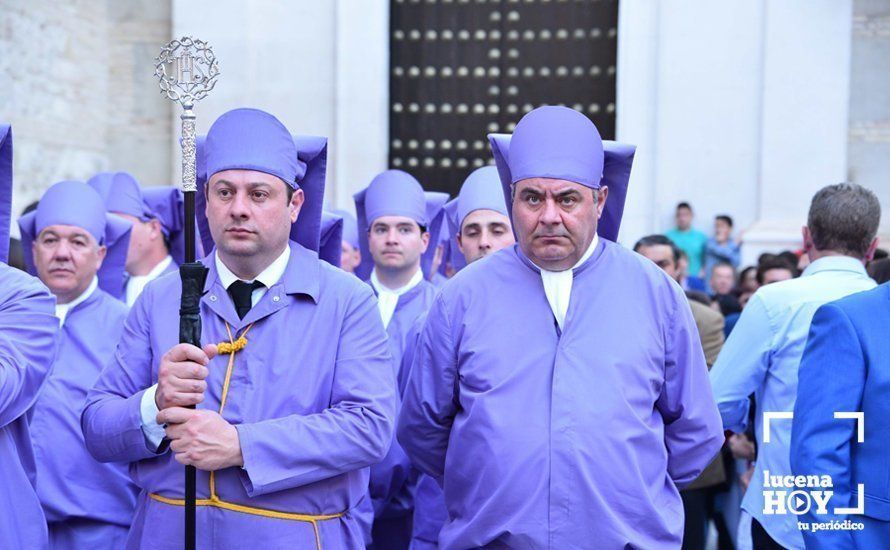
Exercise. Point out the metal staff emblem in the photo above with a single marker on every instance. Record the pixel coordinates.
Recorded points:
(187, 71)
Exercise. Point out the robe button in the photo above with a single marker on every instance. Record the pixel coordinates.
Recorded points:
(276, 298)
(213, 297)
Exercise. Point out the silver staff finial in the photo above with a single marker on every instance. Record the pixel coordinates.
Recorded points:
(187, 70)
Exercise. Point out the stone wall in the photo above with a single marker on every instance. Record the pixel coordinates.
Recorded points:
(77, 85)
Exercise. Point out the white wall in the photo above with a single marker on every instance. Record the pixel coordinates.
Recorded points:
(738, 107)
(320, 66)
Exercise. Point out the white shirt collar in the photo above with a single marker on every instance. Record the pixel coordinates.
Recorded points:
(387, 298)
(558, 284)
(269, 276)
(136, 283)
(63, 309)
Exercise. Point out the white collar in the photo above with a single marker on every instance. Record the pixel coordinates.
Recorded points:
(558, 284)
(269, 276)
(388, 299)
(158, 269)
(136, 283)
(586, 256)
(381, 288)
(63, 309)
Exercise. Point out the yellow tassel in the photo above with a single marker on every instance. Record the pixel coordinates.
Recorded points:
(227, 347)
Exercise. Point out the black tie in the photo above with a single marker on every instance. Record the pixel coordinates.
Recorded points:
(241, 293)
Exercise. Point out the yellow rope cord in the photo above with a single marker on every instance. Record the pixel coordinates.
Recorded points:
(231, 347)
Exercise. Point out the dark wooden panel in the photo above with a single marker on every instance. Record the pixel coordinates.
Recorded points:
(460, 69)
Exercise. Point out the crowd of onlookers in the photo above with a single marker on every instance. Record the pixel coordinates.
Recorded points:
(710, 268)
(761, 362)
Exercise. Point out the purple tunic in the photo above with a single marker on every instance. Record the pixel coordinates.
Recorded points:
(28, 336)
(544, 438)
(312, 396)
(71, 485)
(393, 479)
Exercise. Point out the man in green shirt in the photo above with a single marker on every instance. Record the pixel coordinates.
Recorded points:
(690, 240)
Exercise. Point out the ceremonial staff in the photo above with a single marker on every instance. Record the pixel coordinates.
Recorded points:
(187, 71)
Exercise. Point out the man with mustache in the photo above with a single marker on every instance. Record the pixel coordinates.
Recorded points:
(394, 222)
(78, 251)
(478, 220)
(294, 388)
(157, 242)
(28, 336)
(560, 394)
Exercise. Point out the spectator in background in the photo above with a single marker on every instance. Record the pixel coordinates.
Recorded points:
(688, 239)
(722, 280)
(763, 353)
(774, 269)
(748, 280)
(721, 248)
(689, 283)
(748, 284)
(794, 260)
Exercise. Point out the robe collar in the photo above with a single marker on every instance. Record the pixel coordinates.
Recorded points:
(62, 310)
(389, 299)
(301, 276)
(582, 266)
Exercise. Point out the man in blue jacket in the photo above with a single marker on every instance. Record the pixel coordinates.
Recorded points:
(846, 368)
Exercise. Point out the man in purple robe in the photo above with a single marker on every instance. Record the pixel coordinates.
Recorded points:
(478, 220)
(394, 215)
(298, 397)
(157, 241)
(28, 337)
(560, 394)
(66, 242)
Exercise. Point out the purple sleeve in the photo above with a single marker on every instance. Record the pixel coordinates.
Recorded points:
(693, 432)
(28, 333)
(112, 420)
(353, 433)
(430, 402)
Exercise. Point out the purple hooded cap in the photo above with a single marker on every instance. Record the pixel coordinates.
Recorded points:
(307, 168)
(5, 189)
(76, 203)
(481, 190)
(350, 227)
(396, 193)
(557, 142)
(331, 238)
(123, 195)
(438, 228)
(250, 139)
